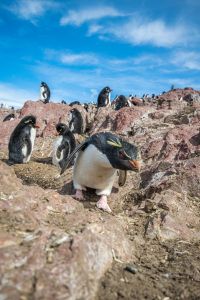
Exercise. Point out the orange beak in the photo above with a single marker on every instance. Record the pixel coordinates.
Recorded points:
(135, 164)
(37, 126)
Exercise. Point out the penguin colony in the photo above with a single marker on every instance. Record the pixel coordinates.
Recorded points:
(98, 159)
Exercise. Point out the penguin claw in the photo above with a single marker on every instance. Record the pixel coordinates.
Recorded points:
(102, 204)
(79, 195)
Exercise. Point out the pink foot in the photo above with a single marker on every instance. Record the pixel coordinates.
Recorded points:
(102, 204)
(79, 195)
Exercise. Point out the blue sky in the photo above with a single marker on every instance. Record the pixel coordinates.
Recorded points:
(78, 47)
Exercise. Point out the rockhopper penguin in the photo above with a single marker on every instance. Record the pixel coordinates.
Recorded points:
(63, 145)
(22, 140)
(104, 97)
(45, 93)
(97, 162)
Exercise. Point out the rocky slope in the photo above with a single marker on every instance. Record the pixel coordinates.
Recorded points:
(54, 247)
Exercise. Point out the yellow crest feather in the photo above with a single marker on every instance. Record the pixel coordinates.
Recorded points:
(114, 143)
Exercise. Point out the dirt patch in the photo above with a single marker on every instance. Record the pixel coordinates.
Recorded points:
(160, 271)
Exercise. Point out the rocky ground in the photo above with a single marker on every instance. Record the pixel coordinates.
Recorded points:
(54, 247)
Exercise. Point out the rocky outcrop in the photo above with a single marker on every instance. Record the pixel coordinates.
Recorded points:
(52, 246)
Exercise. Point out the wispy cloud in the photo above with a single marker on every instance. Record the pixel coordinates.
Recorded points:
(137, 31)
(187, 59)
(77, 18)
(67, 57)
(31, 10)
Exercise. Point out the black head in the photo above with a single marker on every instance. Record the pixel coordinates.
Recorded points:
(29, 121)
(121, 154)
(107, 89)
(43, 83)
(61, 128)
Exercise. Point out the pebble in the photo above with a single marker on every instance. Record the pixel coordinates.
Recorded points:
(131, 269)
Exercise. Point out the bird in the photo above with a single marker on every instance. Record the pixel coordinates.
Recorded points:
(104, 97)
(98, 159)
(63, 145)
(122, 101)
(76, 124)
(45, 93)
(9, 117)
(22, 140)
(75, 103)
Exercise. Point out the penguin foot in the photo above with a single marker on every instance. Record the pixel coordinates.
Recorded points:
(79, 195)
(102, 204)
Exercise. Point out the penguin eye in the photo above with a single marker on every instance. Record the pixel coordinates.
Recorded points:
(124, 155)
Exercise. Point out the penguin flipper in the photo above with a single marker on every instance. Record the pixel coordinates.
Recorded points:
(122, 177)
(80, 147)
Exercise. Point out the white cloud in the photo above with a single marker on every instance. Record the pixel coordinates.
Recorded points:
(30, 10)
(67, 57)
(16, 96)
(187, 59)
(77, 18)
(139, 31)
(94, 28)
(80, 59)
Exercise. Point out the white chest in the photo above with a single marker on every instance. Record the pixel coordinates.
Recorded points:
(25, 148)
(93, 169)
(56, 144)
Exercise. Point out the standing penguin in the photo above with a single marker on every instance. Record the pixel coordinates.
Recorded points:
(45, 93)
(22, 140)
(63, 145)
(76, 121)
(98, 160)
(104, 97)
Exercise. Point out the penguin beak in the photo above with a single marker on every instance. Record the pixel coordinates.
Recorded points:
(135, 165)
(37, 126)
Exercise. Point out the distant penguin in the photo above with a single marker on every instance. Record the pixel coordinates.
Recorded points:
(22, 140)
(9, 117)
(45, 93)
(76, 121)
(104, 97)
(63, 102)
(63, 145)
(122, 102)
(74, 103)
(97, 162)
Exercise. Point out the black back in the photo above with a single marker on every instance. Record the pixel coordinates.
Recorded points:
(74, 103)
(121, 102)
(8, 117)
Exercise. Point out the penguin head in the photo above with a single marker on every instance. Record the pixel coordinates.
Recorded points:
(61, 128)
(29, 121)
(43, 83)
(121, 154)
(106, 90)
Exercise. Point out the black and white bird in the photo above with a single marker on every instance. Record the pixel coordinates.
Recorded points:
(63, 146)
(104, 97)
(76, 124)
(45, 93)
(9, 117)
(22, 140)
(97, 162)
(122, 101)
